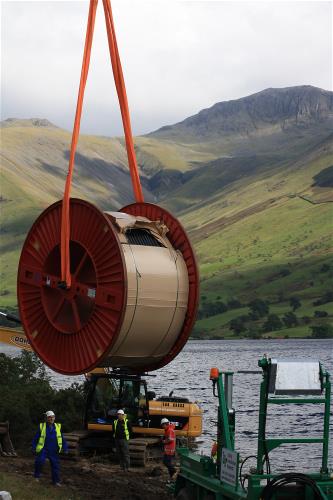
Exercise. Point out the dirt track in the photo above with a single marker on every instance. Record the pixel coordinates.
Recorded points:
(96, 480)
(206, 230)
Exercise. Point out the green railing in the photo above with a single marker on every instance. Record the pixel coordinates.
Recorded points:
(265, 445)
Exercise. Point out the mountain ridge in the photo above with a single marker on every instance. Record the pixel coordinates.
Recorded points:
(27, 122)
(286, 107)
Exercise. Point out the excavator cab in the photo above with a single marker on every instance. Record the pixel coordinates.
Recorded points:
(111, 392)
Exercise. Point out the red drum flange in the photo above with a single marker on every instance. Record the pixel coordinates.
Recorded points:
(72, 330)
(69, 310)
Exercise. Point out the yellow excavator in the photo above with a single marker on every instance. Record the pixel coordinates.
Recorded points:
(109, 390)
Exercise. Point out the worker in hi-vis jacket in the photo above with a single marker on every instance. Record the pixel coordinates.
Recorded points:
(122, 430)
(49, 442)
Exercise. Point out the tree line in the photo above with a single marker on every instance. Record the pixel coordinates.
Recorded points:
(260, 320)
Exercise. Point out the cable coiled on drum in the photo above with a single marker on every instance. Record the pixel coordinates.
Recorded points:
(283, 480)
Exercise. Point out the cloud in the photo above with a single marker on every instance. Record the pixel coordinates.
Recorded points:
(178, 57)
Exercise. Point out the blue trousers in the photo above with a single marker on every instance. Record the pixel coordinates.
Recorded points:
(54, 462)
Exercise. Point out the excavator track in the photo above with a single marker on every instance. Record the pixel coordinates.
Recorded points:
(73, 440)
(144, 450)
(6, 445)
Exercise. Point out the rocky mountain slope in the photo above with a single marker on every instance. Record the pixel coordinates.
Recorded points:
(267, 112)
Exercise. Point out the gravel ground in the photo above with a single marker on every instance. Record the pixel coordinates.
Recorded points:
(92, 479)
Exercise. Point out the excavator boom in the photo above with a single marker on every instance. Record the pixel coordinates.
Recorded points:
(14, 338)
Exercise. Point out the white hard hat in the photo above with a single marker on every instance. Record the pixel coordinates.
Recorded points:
(50, 413)
(165, 421)
(120, 412)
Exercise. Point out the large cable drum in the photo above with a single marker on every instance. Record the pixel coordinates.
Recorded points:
(134, 292)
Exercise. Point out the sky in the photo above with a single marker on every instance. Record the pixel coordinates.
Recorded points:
(178, 57)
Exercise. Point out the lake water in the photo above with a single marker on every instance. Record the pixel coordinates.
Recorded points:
(188, 376)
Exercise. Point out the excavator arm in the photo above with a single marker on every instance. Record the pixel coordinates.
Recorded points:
(14, 338)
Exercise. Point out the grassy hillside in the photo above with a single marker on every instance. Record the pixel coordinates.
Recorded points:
(262, 234)
(258, 206)
(154, 155)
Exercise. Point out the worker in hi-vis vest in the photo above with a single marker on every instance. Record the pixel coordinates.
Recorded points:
(122, 431)
(49, 442)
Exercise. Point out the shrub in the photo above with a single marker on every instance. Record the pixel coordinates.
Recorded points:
(253, 316)
(290, 319)
(237, 325)
(306, 320)
(285, 272)
(322, 331)
(208, 309)
(253, 333)
(295, 303)
(320, 314)
(272, 323)
(259, 307)
(327, 297)
(234, 304)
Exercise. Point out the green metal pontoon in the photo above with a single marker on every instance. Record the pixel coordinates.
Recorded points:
(285, 382)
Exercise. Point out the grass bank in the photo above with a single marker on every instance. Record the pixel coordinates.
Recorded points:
(26, 488)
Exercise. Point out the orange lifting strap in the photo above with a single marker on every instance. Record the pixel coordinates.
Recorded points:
(122, 97)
